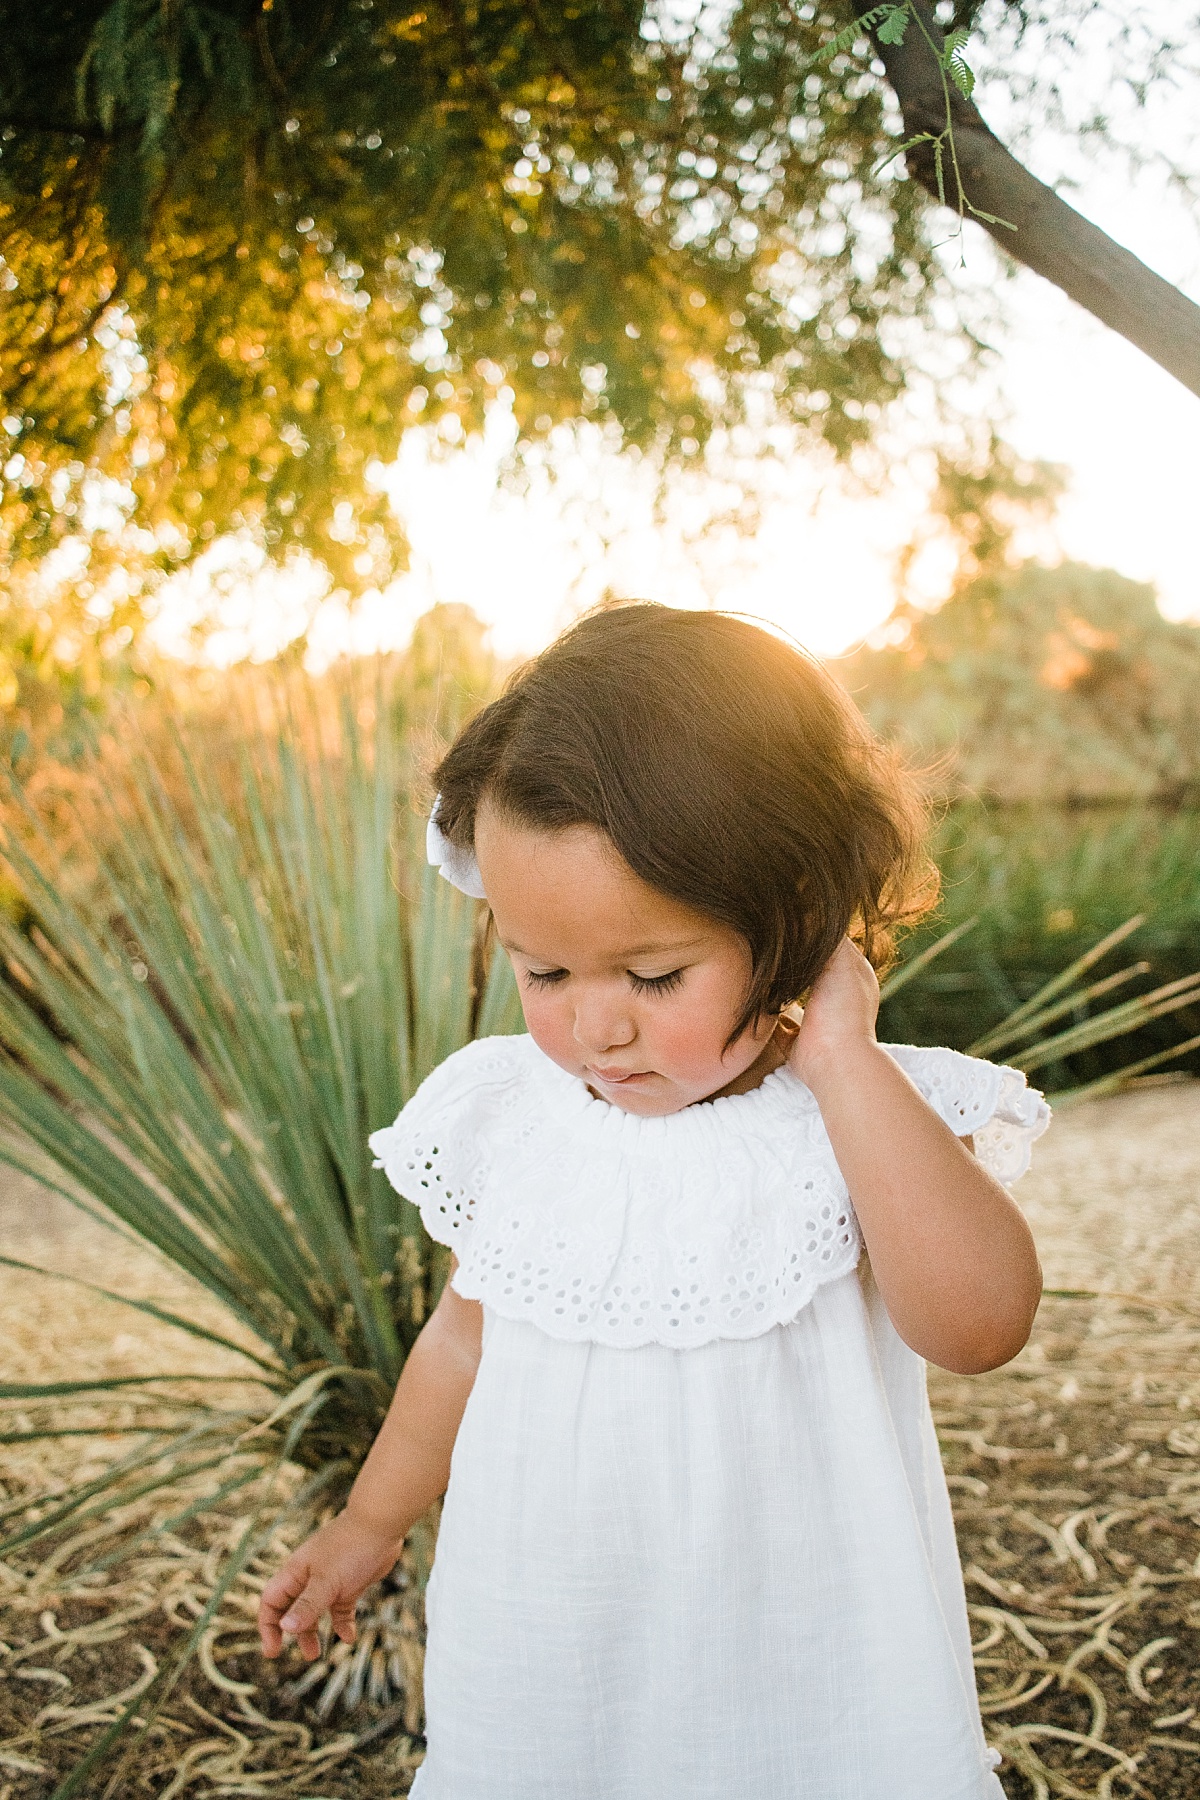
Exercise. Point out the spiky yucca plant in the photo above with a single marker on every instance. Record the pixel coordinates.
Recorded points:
(257, 973)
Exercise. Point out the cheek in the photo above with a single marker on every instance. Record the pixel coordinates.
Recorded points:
(687, 1041)
(692, 1031)
(549, 1023)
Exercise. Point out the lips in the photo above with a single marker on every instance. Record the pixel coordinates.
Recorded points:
(616, 1077)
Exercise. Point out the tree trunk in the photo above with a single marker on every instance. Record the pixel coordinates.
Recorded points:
(1050, 236)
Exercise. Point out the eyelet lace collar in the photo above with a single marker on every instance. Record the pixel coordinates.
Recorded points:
(592, 1223)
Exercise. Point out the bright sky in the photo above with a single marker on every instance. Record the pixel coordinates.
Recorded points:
(818, 557)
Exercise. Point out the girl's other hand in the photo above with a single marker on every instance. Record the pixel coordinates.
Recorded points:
(327, 1574)
(840, 1013)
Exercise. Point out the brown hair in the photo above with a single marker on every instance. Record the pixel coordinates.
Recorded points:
(728, 769)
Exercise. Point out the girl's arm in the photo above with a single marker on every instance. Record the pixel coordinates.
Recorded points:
(407, 1468)
(950, 1251)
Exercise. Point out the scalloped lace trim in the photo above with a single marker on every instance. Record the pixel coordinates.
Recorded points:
(720, 1222)
(638, 1288)
(986, 1101)
(1004, 1142)
(620, 1252)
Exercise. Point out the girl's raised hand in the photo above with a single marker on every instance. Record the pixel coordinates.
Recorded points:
(325, 1575)
(841, 1010)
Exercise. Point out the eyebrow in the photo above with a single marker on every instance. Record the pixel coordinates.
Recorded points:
(632, 952)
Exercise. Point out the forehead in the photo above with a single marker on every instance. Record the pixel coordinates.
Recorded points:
(570, 891)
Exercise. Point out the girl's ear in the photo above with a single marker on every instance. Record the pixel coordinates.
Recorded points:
(787, 1030)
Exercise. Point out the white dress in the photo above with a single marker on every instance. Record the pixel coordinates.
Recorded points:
(697, 1544)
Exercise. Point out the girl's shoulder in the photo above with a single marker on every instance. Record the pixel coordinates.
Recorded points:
(432, 1152)
(988, 1102)
(481, 1066)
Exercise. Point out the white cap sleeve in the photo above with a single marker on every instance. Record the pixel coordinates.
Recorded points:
(988, 1102)
(436, 1153)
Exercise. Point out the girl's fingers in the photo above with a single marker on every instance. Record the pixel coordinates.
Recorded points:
(341, 1614)
(277, 1596)
(284, 1586)
(303, 1614)
(306, 1601)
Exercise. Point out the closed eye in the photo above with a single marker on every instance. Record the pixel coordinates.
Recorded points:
(642, 984)
(655, 984)
(544, 977)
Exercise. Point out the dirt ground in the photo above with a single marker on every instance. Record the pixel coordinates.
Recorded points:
(1075, 1474)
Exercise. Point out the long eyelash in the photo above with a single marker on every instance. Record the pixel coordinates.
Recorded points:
(642, 984)
(656, 984)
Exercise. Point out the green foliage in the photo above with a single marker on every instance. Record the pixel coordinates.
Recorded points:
(1028, 892)
(889, 22)
(892, 24)
(954, 63)
(245, 243)
(244, 246)
(982, 497)
(1044, 700)
(261, 974)
(197, 1033)
(1062, 685)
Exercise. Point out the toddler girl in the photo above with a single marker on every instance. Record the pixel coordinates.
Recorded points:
(696, 1542)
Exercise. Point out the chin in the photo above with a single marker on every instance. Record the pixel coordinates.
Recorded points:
(645, 1106)
(655, 1099)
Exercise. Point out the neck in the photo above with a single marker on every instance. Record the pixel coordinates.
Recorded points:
(772, 1056)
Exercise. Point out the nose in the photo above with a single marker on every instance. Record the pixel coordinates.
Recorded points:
(603, 1022)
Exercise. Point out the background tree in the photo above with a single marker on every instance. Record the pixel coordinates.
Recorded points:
(959, 161)
(1059, 686)
(245, 242)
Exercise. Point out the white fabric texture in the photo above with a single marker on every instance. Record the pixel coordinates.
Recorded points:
(456, 866)
(714, 1222)
(709, 1556)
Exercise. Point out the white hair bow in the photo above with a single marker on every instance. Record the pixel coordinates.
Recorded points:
(456, 866)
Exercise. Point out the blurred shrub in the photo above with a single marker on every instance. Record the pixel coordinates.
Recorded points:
(1041, 685)
(1045, 884)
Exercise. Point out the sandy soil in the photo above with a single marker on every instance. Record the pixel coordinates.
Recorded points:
(1114, 1193)
(1075, 1471)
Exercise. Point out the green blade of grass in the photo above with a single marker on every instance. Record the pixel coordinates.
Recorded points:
(914, 966)
(1117, 1022)
(1113, 1083)
(1058, 983)
(160, 1313)
(47, 1390)
(1008, 1033)
(66, 1431)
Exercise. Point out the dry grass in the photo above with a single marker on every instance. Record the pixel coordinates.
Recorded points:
(79, 1641)
(1075, 1474)
(1076, 1471)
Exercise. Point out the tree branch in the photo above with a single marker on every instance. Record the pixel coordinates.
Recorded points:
(1050, 237)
